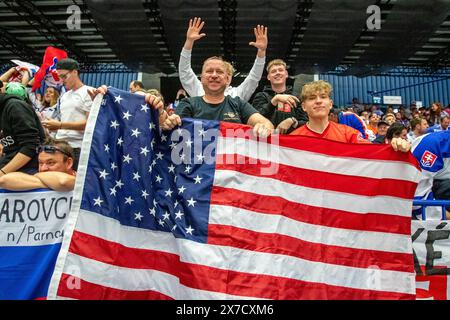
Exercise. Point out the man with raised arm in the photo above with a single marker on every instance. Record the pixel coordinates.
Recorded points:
(189, 79)
(214, 105)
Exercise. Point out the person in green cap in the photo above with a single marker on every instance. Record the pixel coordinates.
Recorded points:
(21, 131)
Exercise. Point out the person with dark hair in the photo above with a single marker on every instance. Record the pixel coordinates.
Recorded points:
(396, 130)
(21, 131)
(55, 170)
(75, 105)
(137, 87)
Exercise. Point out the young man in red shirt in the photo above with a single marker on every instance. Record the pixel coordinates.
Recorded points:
(317, 103)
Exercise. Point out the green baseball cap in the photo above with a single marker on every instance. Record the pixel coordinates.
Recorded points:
(17, 89)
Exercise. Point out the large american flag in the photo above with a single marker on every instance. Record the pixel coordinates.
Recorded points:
(208, 212)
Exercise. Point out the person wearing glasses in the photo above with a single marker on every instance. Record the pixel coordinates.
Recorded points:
(55, 170)
(75, 105)
(20, 131)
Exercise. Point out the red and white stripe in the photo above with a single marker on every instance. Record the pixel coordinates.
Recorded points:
(323, 226)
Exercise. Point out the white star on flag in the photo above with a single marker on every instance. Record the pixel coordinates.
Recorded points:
(136, 176)
(118, 99)
(103, 174)
(198, 180)
(188, 169)
(129, 200)
(179, 214)
(201, 132)
(158, 179)
(144, 151)
(181, 189)
(138, 216)
(113, 191)
(159, 155)
(191, 202)
(171, 168)
(126, 115)
(161, 222)
(152, 211)
(189, 142)
(114, 124)
(127, 158)
(145, 194)
(200, 157)
(163, 138)
(106, 148)
(168, 193)
(113, 166)
(189, 230)
(135, 133)
(144, 108)
(172, 145)
(151, 126)
(166, 215)
(119, 184)
(120, 141)
(98, 201)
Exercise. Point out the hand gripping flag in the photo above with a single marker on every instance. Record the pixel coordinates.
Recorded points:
(51, 57)
(208, 212)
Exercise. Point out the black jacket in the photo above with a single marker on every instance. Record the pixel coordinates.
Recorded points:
(262, 103)
(21, 131)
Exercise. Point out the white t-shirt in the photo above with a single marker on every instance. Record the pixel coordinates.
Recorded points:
(74, 106)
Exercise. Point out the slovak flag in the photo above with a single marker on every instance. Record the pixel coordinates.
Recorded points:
(51, 57)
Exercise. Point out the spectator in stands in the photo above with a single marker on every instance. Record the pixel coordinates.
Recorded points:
(389, 118)
(382, 128)
(214, 105)
(365, 116)
(194, 87)
(317, 103)
(418, 128)
(21, 131)
(55, 170)
(276, 101)
(432, 151)
(445, 121)
(373, 122)
(75, 105)
(435, 113)
(396, 130)
(137, 87)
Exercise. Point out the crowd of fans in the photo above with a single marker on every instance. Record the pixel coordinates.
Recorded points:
(38, 129)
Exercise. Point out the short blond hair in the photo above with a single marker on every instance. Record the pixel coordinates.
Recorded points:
(314, 86)
(229, 67)
(214, 58)
(276, 62)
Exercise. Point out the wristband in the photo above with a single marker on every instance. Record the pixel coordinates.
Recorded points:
(295, 124)
(2, 171)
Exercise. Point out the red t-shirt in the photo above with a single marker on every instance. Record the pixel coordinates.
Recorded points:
(335, 132)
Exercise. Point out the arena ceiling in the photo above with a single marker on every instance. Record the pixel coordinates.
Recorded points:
(311, 35)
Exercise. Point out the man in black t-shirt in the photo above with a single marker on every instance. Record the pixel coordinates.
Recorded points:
(214, 105)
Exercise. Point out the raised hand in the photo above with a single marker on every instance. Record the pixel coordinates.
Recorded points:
(193, 32)
(261, 40)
